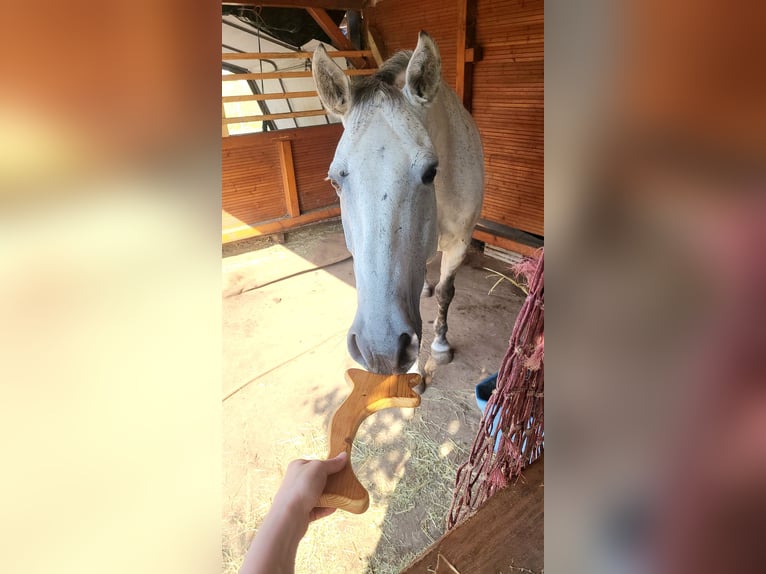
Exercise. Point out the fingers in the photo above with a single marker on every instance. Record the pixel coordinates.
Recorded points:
(337, 463)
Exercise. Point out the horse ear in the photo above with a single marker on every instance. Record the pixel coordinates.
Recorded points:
(424, 72)
(331, 82)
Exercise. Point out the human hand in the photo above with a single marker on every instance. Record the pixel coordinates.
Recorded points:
(295, 505)
(303, 485)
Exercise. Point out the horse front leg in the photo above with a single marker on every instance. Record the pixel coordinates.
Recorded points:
(441, 351)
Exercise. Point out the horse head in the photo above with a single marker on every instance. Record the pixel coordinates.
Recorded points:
(384, 171)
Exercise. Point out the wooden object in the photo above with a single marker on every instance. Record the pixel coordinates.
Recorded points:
(253, 195)
(288, 178)
(282, 116)
(335, 34)
(370, 393)
(505, 243)
(284, 75)
(376, 44)
(224, 125)
(277, 96)
(226, 56)
(466, 34)
(326, 4)
(505, 534)
(268, 228)
(397, 24)
(509, 109)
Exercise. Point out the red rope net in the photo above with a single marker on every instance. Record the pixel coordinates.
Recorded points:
(511, 431)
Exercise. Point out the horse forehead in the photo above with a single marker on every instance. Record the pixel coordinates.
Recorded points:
(377, 126)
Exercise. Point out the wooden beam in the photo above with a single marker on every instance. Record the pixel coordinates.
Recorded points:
(226, 56)
(324, 4)
(278, 96)
(288, 177)
(269, 117)
(224, 125)
(506, 243)
(275, 75)
(302, 133)
(505, 534)
(258, 229)
(375, 43)
(336, 36)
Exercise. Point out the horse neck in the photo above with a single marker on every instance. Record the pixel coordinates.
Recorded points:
(442, 119)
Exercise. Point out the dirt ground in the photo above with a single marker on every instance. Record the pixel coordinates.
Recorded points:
(287, 308)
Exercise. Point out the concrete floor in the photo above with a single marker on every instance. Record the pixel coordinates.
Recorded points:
(286, 312)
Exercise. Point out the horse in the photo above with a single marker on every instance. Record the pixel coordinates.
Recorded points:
(409, 172)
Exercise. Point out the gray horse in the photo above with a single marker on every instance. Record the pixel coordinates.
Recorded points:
(409, 172)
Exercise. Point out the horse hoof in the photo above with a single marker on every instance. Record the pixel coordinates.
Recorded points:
(427, 291)
(442, 357)
(420, 388)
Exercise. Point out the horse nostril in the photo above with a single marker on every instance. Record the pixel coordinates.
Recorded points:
(408, 351)
(354, 351)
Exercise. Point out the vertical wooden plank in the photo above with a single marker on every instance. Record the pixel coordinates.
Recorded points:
(462, 9)
(466, 37)
(374, 44)
(224, 125)
(288, 177)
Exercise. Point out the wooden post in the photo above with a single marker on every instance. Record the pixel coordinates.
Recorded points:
(354, 21)
(224, 125)
(466, 51)
(288, 178)
(336, 36)
(375, 44)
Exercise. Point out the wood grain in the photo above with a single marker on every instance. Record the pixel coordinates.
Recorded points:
(370, 393)
(326, 4)
(267, 117)
(253, 193)
(335, 34)
(235, 233)
(277, 96)
(288, 178)
(506, 534)
(226, 56)
(275, 75)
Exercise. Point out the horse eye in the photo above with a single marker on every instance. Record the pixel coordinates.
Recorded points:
(429, 175)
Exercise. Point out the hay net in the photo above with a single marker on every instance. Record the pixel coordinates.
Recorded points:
(511, 431)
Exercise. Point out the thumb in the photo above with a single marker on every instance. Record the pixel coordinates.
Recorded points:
(335, 464)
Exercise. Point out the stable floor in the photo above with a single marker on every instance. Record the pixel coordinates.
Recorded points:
(287, 308)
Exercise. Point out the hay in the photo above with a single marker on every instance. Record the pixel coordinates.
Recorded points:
(409, 473)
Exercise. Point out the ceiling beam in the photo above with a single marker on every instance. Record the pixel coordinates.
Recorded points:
(339, 41)
(321, 4)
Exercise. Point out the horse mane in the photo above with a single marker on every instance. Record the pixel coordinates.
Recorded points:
(364, 89)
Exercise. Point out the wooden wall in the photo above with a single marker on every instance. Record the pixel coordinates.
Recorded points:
(507, 91)
(397, 22)
(262, 193)
(508, 108)
(312, 160)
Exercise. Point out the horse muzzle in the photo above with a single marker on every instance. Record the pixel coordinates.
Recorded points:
(387, 358)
